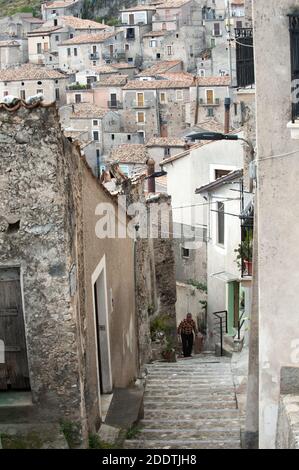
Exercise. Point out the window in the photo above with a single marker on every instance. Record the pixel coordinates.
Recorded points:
(39, 48)
(213, 42)
(153, 43)
(68, 51)
(75, 52)
(202, 73)
(210, 96)
(236, 108)
(166, 152)
(5, 93)
(129, 136)
(96, 136)
(22, 95)
(217, 29)
(141, 136)
(77, 98)
(124, 169)
(158, 55)
(162, 97)
(56, 38)
(127, 47)
(244, 57)
(169, 50)
(40, 91)
(57, 95)
(210, 112)
(112, 136)
(50, 58)
(140, 117)
(113, 100)
(239, 24)
(95, 122)
(140, 99)
(220, 173)
(55, 22)
(185, 252)
(220, 223)
(71, 35)
(179, 95)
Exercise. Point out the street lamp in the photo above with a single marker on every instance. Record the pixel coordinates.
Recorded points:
(218, 136)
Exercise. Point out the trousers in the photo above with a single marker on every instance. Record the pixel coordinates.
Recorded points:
(187, 342)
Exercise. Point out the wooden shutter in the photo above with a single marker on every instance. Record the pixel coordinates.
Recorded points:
(14, 373)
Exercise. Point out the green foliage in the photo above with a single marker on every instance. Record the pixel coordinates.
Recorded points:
(29, 441)
(197, 284)
(133, 431)
(160, 324)
(71, 433)
(244, 250)
(95, 442)
(19, 6)
(78, 86)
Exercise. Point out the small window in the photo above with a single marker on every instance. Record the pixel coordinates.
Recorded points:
(75, 52)
(94, 62)
(185, 252)
(236, 108)
(68, 51)
(216, 29)
(220, 223)
(153, 43)
(210, 112)
(95, 122)
(39, 48)
(127, 47)
(40, 91)
(140, 117)
(169, 50)
(129, 136)
(96, 136)
(162, 97)
(77, 98)
(112, 136)
(55, 22)
(5, 93)
(56, 38)
(57, 95)
(220, 173)
(22, 94)
(39, 82)
(213, 42)
(158, 55)
(179, 95)
(71, 35)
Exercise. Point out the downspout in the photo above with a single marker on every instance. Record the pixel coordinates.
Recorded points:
(227, 102)
(197, 102)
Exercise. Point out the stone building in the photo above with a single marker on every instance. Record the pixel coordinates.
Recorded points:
(156, 107)
(73, 337)
(88, 50)
(11, 53)
(28, 80)
(53, 9)
(131, 158)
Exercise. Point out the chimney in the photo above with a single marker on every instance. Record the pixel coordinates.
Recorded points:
(151, 183)
(226, 115)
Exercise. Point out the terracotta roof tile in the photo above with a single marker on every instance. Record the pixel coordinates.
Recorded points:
(78, 23)
(9, 44)
(160, 67)
(181, 76)
(88, 111)
(129, 153)
(113, 80)
(153, 34)
(173, 4)
(165, 142)
(90, 38)
(213, 81)
(123, 65)
(156, 84)
(60, 4)
(29, 72)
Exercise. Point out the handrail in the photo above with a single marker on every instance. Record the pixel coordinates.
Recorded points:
(222, 325)
(240, 324)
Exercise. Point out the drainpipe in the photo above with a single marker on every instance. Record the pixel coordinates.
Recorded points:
(197, 102)
(227, 102)
(150, 171)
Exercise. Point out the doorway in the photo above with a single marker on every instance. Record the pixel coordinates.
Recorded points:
(14, 371)
(102, 328)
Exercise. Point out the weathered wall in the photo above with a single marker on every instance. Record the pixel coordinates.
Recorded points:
(189, 300)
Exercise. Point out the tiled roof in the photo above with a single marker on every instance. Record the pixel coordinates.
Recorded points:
(160, 67)
(210, 124)
(153, 34)
(123, 65)
(156, 84)
(90, 38)
(29, 72)
(104, 69)
(43, 30)
(129, 153)
(9, 44)
(78, 23)
(87, 111)
(60, 4)
(165, 142)
(181, 76)
(231, 176)
(113, 80)
(31, 19)
(237, 2)
(173, 4)
(213, 81)
(139, 8)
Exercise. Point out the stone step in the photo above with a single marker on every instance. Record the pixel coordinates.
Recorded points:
(195, 414)
(183, 444)
(202, 424)
(178, 405)
(166, 434)
(190, 394)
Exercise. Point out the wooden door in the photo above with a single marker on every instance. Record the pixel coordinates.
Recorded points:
(14, 373)
(140, 99)
(210, 96)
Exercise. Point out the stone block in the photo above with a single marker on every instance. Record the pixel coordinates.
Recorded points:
(108, 434)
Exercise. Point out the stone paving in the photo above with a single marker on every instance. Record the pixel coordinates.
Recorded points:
(190, 404)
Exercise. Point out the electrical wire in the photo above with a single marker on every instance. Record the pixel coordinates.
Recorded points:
(282, 155)
(207, 203)
(244, 45)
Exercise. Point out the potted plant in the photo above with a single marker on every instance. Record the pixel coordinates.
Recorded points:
(244, 253)
(169, 353)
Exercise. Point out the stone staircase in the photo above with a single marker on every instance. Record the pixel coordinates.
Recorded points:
(190, 404)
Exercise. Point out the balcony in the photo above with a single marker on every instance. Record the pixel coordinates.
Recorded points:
(78, 86)
(215, 102)
(141, 105)
(94, 56)
(115, 105)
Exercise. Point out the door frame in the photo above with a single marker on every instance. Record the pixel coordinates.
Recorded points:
(21, 270)
(101, 270)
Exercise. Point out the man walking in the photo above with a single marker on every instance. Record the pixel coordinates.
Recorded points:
(185, 329)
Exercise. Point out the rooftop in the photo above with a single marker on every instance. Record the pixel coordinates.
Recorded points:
(181, 76)
(152, 34)
(60, 4)
(220, 181)
(214, 81)
(78, 23)
(130, 153)
(29, 72)
(139, 8)
(123, 65)
(87, 111)
(43, 30)
(9, 44)
(113, 80)
(165, 142)
(160, 67)
(172, 4)
(90, 38)
(156, 84)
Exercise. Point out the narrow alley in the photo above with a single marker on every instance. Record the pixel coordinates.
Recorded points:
(190, 404)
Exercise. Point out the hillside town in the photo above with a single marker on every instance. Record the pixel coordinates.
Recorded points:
(147, 269)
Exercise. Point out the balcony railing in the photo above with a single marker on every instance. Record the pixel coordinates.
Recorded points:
(215, 102)
(94, 56)
(115, 105)
(144, 104)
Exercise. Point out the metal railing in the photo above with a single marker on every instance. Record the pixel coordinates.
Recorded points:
(94, 56)
(241, 322)
(115, 105)
(220, 327)
(215, 102)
